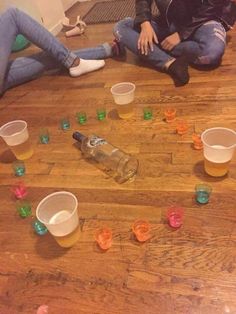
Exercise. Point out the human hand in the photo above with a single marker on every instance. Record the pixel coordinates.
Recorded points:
(146, 38)
(171, 41)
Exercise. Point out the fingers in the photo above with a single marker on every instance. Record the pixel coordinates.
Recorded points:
(166, 45)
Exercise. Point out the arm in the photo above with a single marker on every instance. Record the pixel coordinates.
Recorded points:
(142, 24)
(143, 12)
(211, 9)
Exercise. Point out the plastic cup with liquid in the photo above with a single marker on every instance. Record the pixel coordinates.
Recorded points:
(58, 212)
(218, 149)
(123, 95)
(16, 136)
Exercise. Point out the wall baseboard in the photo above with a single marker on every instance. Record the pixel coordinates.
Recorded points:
(56, 28)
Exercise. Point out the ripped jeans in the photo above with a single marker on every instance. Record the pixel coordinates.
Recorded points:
(205, 47)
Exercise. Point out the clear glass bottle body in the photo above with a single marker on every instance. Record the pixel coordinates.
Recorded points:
(110, 159)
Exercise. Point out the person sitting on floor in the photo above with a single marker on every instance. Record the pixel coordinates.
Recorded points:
(186, 31)
(53, 57)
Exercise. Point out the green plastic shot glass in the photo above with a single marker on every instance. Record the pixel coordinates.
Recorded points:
(81, 117)
(23, 208)
(147, 113)
(101, 114)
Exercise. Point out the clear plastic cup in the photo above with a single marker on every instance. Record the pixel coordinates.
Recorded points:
(123, 94)
(58, 212)
(16, 136)
(218, 149)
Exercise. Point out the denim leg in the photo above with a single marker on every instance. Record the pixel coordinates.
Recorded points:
(102, 51)
(211, 38)
(124, 31)
(24, 69)
(14, 22)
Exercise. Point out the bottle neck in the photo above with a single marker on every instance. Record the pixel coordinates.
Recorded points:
(78, 137)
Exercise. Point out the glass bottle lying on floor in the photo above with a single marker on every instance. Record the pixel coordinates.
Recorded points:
(109, 158)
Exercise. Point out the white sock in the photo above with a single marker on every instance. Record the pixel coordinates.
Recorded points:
(86, 66)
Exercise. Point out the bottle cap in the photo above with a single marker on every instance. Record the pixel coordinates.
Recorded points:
(78, 136)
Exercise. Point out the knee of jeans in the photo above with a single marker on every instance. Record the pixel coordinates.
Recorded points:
(121, 27)
(211, 58)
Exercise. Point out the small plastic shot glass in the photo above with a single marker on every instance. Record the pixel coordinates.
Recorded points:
(182, 127)
(65, 124)
(39, 228)
(101, 114)
(19, 190)
(175, 216)
(18, 168)
(43, 309)
(23, 208)
(197, 142)
(203, 192)
(103, 238)
(44, 136)
(81, 117)
(141, 229)
(147, 113)
(170, 114)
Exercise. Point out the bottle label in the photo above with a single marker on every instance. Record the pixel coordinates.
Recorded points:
(96, 141)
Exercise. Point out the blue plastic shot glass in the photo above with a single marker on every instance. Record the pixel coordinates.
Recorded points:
(203, 192)
(44, 136)
(19, 168)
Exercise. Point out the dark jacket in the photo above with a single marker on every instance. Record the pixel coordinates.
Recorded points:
(187, 15)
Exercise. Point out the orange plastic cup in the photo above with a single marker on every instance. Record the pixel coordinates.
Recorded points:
(170, 114)
(182, 127)
(141, 229)
(103, 237)
(197, 142)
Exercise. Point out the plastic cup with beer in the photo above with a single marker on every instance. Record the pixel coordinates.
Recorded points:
(58, 212)
(123, 94)
(16, 136)
(218, 149)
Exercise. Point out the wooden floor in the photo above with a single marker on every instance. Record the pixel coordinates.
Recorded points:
(188, 271)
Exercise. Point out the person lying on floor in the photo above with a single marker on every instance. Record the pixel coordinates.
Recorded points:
(54, 54)
(186, 31)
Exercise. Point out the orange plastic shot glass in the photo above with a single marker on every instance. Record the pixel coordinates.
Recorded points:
(175, 216)
(170, 114)
(197, 142)
(141, 229)
(182, 127)
(103, 237)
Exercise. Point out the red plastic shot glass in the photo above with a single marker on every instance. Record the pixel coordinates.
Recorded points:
(182, 127)
(19, 191)
(197, 142)
(104, 238)
(175, 216)
(170, 114)
(141, 229)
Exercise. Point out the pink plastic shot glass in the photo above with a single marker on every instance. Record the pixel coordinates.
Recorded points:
(182, 127)
(175, 216)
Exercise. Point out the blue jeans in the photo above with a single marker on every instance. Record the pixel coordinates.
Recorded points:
(53, 57)
(206, 45)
